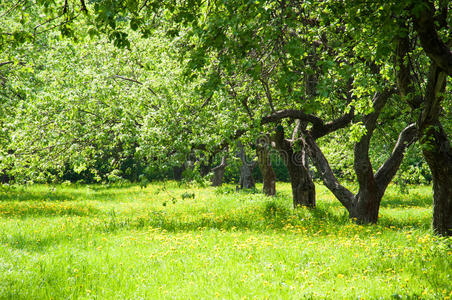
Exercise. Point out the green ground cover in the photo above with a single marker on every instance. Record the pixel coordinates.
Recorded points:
(175, 241)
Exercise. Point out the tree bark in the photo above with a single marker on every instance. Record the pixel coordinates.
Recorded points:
(177, 172)
(218, 173)
(434, 142)
(246, 169)
(434, 47)
(268, 174)
(437, 152)
(303, 188)
(367, 202)
(329, 179)
(204, 167)
(364, 206)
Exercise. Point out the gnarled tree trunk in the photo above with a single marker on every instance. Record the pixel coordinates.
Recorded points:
(437, 152)
(434, 141)
(177, 172)
(218, 173)
(246, 170)
(268, 174)
(303, 188)
(364, 206)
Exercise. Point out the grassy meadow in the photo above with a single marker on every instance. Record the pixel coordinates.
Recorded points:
(187, 242)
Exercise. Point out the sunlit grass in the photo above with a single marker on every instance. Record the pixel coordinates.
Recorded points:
(129, 242)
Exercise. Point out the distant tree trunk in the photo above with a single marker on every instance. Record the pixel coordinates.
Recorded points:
(303, 188)
(218, 173)
(4, 178)
(265, 165)
(246, 170)
(177, 172)
(204, 167)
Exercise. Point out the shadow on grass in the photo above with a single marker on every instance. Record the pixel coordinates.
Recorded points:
(419, 222)
(46, 209)
(21, 194)
(67, 193)
(29, 243)
(409, 200)
(270, 216)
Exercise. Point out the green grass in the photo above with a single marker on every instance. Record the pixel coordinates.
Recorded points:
(128, 242)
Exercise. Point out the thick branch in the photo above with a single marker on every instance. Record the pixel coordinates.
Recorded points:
(362, 164)
(319, 128)
(282, 145)
(432, 103)
(387, 171)
(83, 5)
(378, 102)
(135, 81)
(341, 122)
(434, 47)
(321, 163)
(218, 148)
(294, 114)
(222, 164)
(6, 63)
(405, 80)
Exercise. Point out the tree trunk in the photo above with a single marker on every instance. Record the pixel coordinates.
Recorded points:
(177, 172)
(437, 152)
(246, 169)
(303, 188)
(246, 178)
(434, 141)
(205, 167)
(268, 174)
(218, 173)
(366, 204)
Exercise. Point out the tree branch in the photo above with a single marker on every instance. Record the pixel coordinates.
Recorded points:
(405, 80)
(6, 63)
(323, 167)
(387, 171)
(362, 164)
(268, 94)
(294, 114)
(319, 128)
(135, 81)
(341, 122)
(12, 8)
(434, 47)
